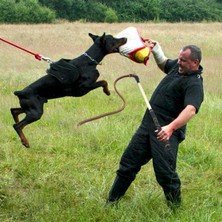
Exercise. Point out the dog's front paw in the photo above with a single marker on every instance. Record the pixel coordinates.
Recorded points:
(106, 91)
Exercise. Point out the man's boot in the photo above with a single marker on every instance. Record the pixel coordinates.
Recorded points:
(173, 199)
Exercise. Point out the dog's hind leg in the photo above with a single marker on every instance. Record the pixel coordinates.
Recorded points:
(33, 108)
(16, 112)
(18, 128)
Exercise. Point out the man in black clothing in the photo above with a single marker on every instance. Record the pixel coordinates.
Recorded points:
(175, 101)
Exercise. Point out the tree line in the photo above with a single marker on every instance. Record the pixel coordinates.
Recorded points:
(48, 11)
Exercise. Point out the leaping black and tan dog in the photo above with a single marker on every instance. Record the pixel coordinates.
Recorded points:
(66, 77)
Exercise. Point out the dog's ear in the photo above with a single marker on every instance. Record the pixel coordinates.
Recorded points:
(103, 38)
(94, 37)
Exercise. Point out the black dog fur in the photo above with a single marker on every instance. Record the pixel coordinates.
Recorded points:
(74, 77)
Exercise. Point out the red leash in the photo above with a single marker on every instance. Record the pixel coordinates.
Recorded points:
(37, 56)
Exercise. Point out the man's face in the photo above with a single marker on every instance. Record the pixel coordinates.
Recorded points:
(187, 65)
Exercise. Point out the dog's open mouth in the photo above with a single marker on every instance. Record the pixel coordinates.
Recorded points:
(124, 40)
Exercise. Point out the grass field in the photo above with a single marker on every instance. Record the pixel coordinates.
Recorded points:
(67, 172)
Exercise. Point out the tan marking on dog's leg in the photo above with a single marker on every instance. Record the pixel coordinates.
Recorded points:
(20, 133)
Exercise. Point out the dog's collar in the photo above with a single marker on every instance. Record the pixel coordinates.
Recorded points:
(92, 59)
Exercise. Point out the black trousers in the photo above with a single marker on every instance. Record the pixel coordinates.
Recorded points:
(143, 147)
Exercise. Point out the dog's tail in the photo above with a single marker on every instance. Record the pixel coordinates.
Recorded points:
(23, 93)
(17, 93)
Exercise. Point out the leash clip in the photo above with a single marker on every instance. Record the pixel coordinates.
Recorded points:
(46, 59)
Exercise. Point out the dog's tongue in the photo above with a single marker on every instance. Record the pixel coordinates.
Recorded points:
(135, 48)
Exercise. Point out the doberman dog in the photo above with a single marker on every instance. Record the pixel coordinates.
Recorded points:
(66, 77)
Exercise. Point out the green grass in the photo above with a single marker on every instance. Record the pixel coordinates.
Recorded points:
(67, 173)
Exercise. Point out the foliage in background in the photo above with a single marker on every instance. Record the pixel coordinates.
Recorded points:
(191, 10)
(93, 11)
(47, 11)
(25, 11)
